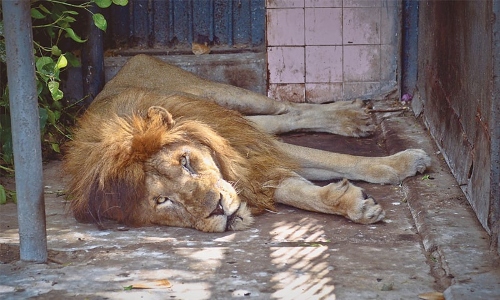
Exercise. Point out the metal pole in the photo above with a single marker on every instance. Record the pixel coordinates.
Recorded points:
(25, 130)
(494, 215)
(93, 60)
(409, 53)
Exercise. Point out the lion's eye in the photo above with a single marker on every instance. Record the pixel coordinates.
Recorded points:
(186, 164)
(184, 160)
(162, 200)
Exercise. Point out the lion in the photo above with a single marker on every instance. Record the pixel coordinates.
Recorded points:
(161, 146)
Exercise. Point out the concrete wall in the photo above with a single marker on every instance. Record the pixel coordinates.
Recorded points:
(456, 55)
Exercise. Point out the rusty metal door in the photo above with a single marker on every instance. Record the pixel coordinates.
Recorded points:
(171, 26)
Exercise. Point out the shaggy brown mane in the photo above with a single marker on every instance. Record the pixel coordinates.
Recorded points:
(116, 136)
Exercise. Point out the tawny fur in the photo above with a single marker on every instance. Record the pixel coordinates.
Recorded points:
(161, 146)
(115, 137)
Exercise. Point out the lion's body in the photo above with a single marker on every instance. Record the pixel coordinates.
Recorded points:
(157, 147)
(254, 164)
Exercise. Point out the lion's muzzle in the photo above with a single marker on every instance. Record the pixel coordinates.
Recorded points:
(230, 218)
(219, 210)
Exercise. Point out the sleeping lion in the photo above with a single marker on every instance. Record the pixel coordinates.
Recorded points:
(161, 146)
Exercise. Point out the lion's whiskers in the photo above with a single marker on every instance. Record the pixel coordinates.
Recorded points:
(235, 185)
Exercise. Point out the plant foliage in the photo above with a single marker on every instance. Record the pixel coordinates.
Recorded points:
(55, 27)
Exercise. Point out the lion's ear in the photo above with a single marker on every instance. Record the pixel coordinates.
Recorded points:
(148, 132)
(160, 114)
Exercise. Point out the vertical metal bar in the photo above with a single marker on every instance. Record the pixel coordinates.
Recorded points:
(119, 27)
(131, 21)
(93, 59)
(495, 133)
(171, 20)
(230, 37)
(150, 39)
(211, 16)
(190, 22)
(409, 51)
(258, 23)
(141, 23)
(160, 22)
(25, 130)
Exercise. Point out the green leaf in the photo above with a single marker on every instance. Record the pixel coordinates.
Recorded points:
(39, 87)
(100, 21)
(69, 19)
(44, 9)
(120, 2)
(73, 35)
(57, 107)
(71, 12)
(56, 93)
(36, 14)
(51, 117)
(55, 75)
(6, 138)
(50, 32)
(103, 3)
(63, 24)
(3, 195)
(44, 78)
(55, 147)
(72, 59)
(55, 50)
(62, 62)
(57, 10)
(3, 52)
(43, 117)
(41, 62)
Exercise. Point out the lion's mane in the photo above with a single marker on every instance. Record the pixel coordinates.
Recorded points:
(115, 137)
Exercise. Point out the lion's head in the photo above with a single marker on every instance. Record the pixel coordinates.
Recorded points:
(144, 159)
(185, 188)
(154, 171)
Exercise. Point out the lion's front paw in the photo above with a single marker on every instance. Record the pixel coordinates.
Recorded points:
(352, 202)
(366, 211)
(395, 168)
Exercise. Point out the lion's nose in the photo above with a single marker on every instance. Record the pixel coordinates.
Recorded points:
(219, 210)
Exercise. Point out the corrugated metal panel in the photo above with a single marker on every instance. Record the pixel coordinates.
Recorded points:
(225, 25)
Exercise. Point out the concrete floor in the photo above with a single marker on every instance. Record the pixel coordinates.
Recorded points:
(429, 242)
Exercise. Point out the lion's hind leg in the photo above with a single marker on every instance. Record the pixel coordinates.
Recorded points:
(342, 118)
(323, 165)
(340, 198)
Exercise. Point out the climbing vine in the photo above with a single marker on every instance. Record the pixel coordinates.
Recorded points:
(56, 24)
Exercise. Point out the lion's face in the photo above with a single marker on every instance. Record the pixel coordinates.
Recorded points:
(185, 188)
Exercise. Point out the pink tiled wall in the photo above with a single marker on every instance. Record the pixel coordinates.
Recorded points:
(329, 50)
